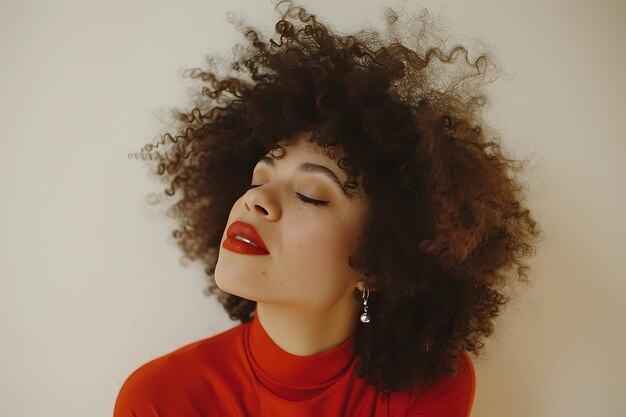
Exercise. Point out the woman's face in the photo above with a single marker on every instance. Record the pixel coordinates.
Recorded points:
(308, 245)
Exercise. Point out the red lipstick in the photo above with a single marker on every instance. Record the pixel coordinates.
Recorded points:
(243, 238)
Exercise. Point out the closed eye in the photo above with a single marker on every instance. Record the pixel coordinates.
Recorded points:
(301, 197)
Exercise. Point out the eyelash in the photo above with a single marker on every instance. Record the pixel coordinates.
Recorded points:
(301, 197)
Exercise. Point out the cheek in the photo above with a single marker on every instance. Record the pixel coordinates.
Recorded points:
(322, 252)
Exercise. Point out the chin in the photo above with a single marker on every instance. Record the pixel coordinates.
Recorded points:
(221, 281)
(231, 283)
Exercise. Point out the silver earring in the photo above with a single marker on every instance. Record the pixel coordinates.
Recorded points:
(365, 317)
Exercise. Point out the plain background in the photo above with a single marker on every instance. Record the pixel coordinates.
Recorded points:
(91, 288)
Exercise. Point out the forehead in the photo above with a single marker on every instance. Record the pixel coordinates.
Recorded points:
(300, 145)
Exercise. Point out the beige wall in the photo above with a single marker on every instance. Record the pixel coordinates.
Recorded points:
(90, 288)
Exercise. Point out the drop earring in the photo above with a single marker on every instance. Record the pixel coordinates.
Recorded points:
(365, 317)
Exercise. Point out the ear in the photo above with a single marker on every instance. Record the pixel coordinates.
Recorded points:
(360, 287)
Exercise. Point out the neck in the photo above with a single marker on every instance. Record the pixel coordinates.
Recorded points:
(304, 333)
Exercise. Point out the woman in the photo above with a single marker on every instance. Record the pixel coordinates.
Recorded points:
(355, 216)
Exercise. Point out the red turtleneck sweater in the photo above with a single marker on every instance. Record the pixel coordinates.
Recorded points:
(242, 372)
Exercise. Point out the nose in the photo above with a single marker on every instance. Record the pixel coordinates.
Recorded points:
(262, 202)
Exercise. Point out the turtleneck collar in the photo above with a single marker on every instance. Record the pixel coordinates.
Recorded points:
(292, 376)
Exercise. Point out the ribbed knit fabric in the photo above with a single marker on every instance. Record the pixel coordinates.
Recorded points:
(242, 372)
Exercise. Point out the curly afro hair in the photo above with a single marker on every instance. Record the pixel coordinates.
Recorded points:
(446, 231)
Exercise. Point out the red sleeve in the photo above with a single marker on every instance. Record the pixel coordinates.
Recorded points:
(453, 396)
(136, 394)
(148, 391)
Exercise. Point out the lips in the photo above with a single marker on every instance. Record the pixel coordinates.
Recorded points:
(247, 236)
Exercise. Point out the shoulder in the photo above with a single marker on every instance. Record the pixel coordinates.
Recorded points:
(160, 379)
(451, 396)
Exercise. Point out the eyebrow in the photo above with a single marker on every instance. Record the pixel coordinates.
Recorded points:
(310, 167)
